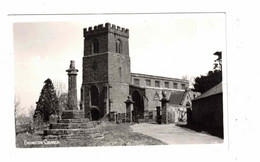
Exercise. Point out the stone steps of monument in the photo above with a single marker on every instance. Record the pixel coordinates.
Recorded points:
(72, 114)
(84, 120)
(73, 125)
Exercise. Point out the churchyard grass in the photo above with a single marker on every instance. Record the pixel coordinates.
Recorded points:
(110, 134)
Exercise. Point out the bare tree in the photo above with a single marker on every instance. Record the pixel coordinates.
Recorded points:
(191, 82)
(185, 77)
(18, 110)
(21, 118)
(60, 87)
(190, 79)
(16, 105)
(31, 111)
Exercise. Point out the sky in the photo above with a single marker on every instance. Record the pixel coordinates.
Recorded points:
(170, 45)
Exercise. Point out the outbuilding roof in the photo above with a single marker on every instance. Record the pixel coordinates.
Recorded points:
(176, 98)
(214, 90)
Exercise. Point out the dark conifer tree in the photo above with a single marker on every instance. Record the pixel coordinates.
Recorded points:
(214, 77)
(48, 103)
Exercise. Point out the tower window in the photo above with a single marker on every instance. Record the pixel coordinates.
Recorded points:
(157, 83)
(95, 46)
(118, 46)
(136, 81)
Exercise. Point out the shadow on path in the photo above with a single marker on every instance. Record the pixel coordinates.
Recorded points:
(198, 128)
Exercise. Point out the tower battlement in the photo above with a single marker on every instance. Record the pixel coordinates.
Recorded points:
(97, 29)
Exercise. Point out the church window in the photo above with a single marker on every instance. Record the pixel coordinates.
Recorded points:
(136, 81)
(157, 83)
(94, 96)
(156, 101)
(166, 84)
(175, 85)
(118, 46)
(182, 86)
(148, 82)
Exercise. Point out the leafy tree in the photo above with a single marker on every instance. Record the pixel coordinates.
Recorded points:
(204, 83)
(218, 61)
(48, 103)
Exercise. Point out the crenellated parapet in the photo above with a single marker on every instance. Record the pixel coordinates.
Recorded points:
(98, 29)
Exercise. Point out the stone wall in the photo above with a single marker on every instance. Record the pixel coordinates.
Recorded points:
(95, 68)
(162, 80)
(118, 95)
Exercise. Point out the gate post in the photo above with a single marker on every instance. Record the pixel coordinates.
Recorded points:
(129, 109)
(158, 115)
(165, 102)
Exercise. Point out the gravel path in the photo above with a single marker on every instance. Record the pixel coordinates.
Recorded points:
(172, 134)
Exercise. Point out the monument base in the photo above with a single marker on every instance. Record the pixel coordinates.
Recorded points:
(72, 125)
(72, 114)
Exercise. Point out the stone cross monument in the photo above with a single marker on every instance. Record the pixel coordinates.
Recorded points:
(72, 91)
(72, 112)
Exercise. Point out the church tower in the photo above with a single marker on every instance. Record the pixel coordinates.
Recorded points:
(106, 70)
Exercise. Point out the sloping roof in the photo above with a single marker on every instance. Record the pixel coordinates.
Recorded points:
(176, 98)
(157, 77)
(214, 90)
(136, 86)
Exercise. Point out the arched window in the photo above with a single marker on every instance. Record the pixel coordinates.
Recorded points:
(118, 46)
(156, 101)
(156, 96)
(95, 46)
(94, 96)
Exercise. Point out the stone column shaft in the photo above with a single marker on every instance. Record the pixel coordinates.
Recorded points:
(72, 90)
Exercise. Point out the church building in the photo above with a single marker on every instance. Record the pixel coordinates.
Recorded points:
(108, 81)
